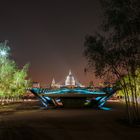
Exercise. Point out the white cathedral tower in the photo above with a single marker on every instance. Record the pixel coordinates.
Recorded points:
(53, 82)
(70, 81)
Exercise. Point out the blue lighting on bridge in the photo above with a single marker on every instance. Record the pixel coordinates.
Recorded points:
(67, 90)
(96, 98)
(72, 90)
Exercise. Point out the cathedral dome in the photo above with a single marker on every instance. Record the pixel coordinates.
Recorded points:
(70, 81)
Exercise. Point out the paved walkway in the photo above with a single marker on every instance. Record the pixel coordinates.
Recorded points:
(66, 124)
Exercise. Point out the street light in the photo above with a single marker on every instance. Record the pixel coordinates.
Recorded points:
(3, 53)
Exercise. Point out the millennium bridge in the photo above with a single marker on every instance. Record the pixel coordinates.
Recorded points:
(75, 97)
(73, 94)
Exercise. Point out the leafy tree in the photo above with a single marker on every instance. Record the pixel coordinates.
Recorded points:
(117, 51)
(13, 82)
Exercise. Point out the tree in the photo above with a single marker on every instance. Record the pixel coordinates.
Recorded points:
(117, 51)
(13, 81)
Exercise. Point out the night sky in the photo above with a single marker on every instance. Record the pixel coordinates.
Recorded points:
(49, 35)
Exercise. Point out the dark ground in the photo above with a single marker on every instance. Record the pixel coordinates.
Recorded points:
(26, 121)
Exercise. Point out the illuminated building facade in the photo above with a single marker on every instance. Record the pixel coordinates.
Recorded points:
(70, 82)
(36, 85)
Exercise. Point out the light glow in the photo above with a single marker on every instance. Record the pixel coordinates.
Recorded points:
(3, 53)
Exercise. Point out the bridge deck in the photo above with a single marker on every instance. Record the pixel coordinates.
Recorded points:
(72, 95)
